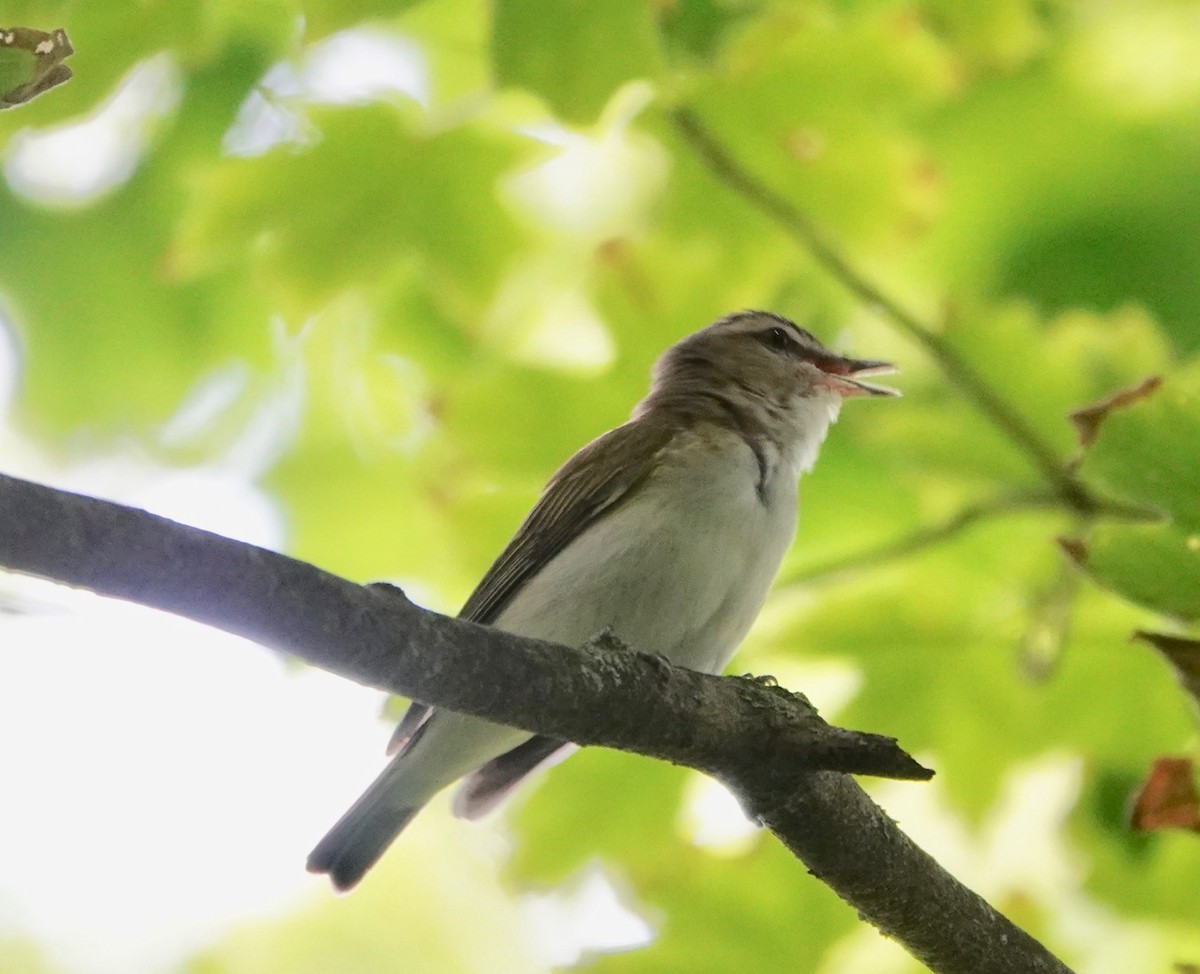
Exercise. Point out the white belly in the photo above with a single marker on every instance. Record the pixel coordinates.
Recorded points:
(682, 568)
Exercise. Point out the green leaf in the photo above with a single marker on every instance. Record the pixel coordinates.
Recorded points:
(936, 638)
(697, 29)
(1000, 35)
(807, 71)
(1156, 565)
(114, 336)
(1021, 218)
(1150, 452)
(1142, 876)
(777, 908)
(574, 53)
(324, 17)
(380, 196)
(625, 810)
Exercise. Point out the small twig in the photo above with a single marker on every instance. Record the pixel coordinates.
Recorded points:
(801, 228)
(910, 544)
(922, 538)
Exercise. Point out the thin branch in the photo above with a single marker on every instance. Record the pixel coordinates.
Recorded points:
(763, 741)
(1015, 502)
(802, 228)
(922, 538)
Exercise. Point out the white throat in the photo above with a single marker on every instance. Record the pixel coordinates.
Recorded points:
(809, 420)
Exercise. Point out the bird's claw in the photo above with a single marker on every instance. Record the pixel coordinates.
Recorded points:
(762, 679)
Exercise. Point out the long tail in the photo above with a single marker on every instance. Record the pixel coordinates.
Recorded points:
(364, 833)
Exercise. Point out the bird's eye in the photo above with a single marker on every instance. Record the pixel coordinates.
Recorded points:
(777, 338)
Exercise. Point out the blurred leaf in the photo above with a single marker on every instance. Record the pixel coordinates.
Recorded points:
(114, 337)
(870, 181)
(323, 17)
(1183, 655)
(26, 957)
(1023, 218)
(1155, 565)
(1151, 452)
(698, 28)
(778, 909)
(560, 830)
(626, 810)
(466, 284)
(378, 194)
(574, 54)
(937, 637)
(408, 918)
(1001, 35)
(1138, 874)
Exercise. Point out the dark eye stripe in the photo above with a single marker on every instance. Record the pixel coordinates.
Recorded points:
(777, 338)
(788, 325)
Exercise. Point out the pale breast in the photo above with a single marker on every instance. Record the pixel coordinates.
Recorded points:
(680, 568)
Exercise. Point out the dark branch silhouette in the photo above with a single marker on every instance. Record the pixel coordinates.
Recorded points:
(788, 766)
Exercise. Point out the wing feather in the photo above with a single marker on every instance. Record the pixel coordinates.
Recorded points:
(602, 475)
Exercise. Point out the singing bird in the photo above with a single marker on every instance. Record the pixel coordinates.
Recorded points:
(667, 530)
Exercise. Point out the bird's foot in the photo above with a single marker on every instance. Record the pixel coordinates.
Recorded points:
(762, 679)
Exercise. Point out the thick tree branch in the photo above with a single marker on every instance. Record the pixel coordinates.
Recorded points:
(600, 694)
(766, 743)
(847, 841)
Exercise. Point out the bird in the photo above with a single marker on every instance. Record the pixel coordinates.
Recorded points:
(666, 531)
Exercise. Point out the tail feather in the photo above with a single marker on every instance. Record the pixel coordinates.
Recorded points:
(489, 785)
(364, 833)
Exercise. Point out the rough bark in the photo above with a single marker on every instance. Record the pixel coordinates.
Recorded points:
(789, 766)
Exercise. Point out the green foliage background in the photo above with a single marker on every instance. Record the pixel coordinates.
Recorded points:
(470, 287)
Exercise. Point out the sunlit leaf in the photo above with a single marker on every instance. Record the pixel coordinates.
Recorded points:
(1182, 653)
(551, 48)
(378, 194)
(1151, 452)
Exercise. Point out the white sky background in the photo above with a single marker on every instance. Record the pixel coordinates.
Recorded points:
(164, 782)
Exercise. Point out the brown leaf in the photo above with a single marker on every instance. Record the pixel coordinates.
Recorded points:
(31, 63)
(1183, 654)
(1167, 798)
(1087, 420)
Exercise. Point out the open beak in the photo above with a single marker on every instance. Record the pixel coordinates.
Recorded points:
(844, 375)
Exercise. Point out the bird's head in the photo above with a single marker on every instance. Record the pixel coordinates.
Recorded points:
(768, 373)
